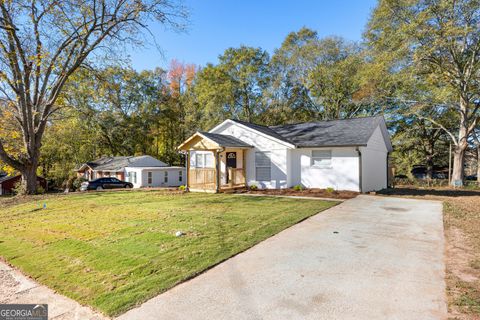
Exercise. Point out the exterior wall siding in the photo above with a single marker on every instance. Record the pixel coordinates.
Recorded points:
(374, 163)
(158, 176)
(343, 174)
(278, 155)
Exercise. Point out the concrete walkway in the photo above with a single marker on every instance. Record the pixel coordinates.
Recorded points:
(16, 288)
(367, 258)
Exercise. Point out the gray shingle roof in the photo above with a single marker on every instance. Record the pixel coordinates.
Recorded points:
(118, 163)
(266, 130)
(347, 132)
(224, 140)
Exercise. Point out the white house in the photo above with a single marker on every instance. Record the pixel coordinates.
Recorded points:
(141, 171)
(349, 154)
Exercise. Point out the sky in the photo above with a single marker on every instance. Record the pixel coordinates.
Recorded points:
(215, 25)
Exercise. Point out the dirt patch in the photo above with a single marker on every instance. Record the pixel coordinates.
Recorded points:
(320, 193)
(461, 217)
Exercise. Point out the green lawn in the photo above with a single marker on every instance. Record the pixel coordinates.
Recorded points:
(113, 250)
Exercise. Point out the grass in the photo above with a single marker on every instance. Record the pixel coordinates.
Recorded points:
(461, 215)
(114, 250)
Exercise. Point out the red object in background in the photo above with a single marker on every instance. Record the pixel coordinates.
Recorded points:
(8, 183)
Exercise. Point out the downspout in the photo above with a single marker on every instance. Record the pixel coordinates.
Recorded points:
(360, 178)
(388, 171)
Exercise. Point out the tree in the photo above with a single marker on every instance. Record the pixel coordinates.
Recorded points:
(288, 96)
(417, 137)
(315, 79)
(336, 81)
(43, 42)
(234, 87)
(440, 39)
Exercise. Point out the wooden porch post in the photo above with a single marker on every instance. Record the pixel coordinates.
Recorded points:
(217, 171)
(244, 167)
(187, 184)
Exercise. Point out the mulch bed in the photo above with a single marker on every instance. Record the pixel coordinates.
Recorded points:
(320, 193)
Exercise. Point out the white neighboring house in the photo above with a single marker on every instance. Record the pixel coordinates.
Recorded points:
(350, 154)
(141, 171)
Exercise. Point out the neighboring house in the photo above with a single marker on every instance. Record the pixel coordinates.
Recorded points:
(8, 183)
(142, 171)
(349, 154)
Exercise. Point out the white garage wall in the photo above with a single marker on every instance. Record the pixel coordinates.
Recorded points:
(278, 154)
(374, 163)
(138, 171)
(343, 173)
(158, 175)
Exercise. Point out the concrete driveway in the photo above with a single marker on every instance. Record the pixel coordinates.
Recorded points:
(367, 258)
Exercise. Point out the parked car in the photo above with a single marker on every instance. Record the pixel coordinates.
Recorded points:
(105, 183)
(420, 172)
(472, 177)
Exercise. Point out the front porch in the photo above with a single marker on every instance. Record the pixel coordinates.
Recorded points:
(215, 162)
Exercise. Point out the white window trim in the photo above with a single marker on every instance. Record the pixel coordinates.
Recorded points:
(204, 156)
(268, 154)
(180, 176)
(165, 176)
(312, 159)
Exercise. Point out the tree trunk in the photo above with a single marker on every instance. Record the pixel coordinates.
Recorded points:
(478, 164)
(29, 179)
(461, 147)
(430, 164)
(458, 161)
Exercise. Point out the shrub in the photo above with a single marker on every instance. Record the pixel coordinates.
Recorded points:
(182, 188)
(298, 187)
(20, 189)
(329, 190)
(253, 187)
(40, 190)
(77, 183)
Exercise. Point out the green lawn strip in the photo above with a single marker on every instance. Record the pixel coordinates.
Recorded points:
(114, 250)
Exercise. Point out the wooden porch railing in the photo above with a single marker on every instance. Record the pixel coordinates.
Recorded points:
(236, 177)
(202, 178)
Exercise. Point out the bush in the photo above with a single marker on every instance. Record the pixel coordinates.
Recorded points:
(77, 183)
(40, 190)
(19, 189)
(182, 188)
(298, 187)
(253, 187)
(329, 190)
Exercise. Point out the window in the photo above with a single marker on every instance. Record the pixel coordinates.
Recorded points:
(321, 158)
(204, 160)
(165, 178)
(132, 177)
(262, 166)
(208, 160)
(180, 176)
(199, 157)
(149, 177)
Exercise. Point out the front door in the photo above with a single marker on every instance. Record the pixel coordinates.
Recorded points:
(231, 162)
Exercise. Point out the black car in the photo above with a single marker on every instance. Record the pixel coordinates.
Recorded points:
(105, 183)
